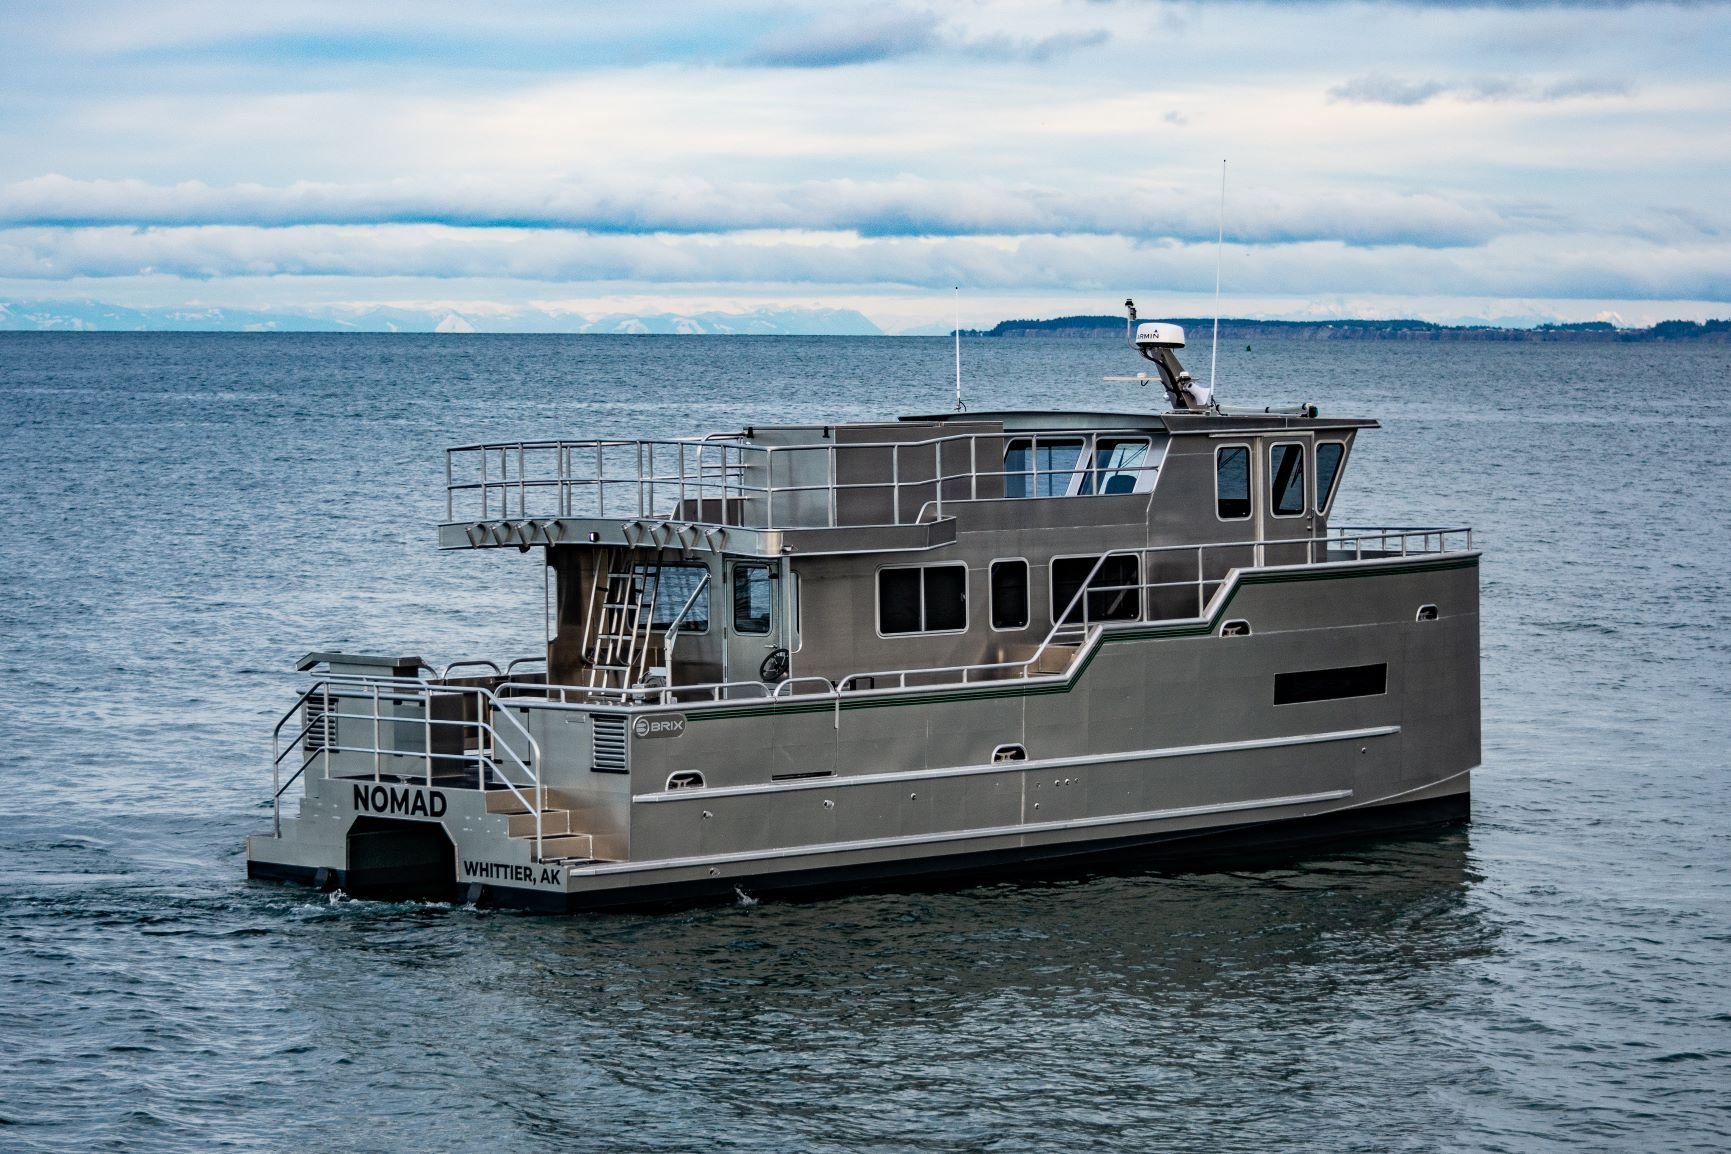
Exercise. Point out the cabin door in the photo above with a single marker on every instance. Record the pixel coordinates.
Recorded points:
(1285, 516)
(755, 649)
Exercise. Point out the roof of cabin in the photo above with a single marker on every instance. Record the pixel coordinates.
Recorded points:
(1016, 420)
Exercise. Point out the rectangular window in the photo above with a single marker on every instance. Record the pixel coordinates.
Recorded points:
(1232, 482)
(1113, 595)
(1036, 467)
(1329, 684)
(1328, 458)
(929, 599)
(1009, 594)
(1120, 467)
(751, 599)
(1286, 480)
(674, 584)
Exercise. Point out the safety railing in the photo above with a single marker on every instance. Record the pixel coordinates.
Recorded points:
(728, 482)
(1094, 605)
(346, 720)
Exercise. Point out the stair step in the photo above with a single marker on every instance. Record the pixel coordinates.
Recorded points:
(553, 821)
(577, 845)
(504, 801)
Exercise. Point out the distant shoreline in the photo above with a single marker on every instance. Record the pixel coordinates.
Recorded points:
(1239, 329)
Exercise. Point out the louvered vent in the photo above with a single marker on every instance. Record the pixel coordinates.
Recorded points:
(318, 728)
(608, 735)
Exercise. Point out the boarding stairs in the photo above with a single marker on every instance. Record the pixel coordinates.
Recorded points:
(560, 838)
(617, 629)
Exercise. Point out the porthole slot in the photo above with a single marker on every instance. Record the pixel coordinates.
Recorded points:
(685, 779)
(1427, 613)
(1008, 753)
(1238, 628)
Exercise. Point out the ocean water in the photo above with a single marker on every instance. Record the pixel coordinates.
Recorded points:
(189, 514)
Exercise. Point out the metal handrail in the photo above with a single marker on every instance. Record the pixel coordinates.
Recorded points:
(400, 690)
(702, 475)
(1393, 542)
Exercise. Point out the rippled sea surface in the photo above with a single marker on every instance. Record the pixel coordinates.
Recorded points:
(186, 515)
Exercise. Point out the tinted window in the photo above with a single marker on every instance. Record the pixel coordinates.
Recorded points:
(751, 599)
(676, 583)
(1009, 594)
(1040, 468)
(1232, 482)
(946, 597)
(1113, 594)
(899, 601)
(1329, 684)
(930, 600)
(1328, 456)
(1286, 480)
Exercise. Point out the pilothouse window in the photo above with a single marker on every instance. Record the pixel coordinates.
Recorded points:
(928, 599)
(1286, 479)
(1232, 482)
(1328, 457)
(1038, 467)
(1119, 467)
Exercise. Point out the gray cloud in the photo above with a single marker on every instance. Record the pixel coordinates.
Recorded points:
(835, 43)
(832, 44)
(1584, 267)
(905, 207)
(1380, 89)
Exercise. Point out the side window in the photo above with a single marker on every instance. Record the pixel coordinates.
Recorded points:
(1328, 457)
(673, 587)
(751, 599)
(932, 599)
(1114, 595)
(1232, 482)
(1036, 467)
(1009, 594)
(1119, 467)
(1286, 479)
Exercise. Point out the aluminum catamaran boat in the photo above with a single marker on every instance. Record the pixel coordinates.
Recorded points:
(800, 657)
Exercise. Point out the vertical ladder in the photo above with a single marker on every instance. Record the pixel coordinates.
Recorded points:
(621, 610)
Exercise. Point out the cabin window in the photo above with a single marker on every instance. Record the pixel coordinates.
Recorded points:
(1009, 594)
(1328, 457)
(751, 599)
(675, 584)
(1120, 467)
(1038, 467)
(1113, 595)
(1232, 483)
(1286, 479)
(923, 599)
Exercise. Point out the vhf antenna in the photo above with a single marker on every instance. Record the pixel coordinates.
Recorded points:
(959, 405)
(1219, 249)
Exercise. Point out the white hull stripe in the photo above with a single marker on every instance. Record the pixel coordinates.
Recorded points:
(876, 843)
(1040, 766)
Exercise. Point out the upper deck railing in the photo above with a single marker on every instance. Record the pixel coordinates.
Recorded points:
(724, 481)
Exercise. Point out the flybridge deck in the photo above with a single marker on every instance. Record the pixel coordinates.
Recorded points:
(788, 656)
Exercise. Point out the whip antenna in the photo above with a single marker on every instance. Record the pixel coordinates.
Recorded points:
(1219, 249)
(959, 348)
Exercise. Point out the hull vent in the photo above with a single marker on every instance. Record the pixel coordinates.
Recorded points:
(608, 754)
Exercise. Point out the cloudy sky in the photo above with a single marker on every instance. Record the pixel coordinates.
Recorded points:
(1448, 160)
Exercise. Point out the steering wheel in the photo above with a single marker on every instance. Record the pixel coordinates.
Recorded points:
(774, 667)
